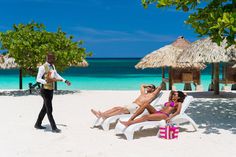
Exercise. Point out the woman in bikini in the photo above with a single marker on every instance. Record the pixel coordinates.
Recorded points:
(170, 109)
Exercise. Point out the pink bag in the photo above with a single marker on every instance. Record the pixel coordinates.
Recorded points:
(169, 131)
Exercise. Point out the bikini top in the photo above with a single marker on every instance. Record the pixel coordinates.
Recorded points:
(172, 104)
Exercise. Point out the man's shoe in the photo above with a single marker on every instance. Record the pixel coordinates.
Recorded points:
(39, 127)
(56, 130)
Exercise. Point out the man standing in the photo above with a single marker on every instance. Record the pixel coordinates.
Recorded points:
(47, 76)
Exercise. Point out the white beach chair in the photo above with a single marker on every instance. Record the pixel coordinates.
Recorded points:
(179, 119)
(106, 123)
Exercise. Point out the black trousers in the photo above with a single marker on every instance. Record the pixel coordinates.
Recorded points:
(47, 108)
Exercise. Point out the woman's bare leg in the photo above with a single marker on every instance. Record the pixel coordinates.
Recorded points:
(151, 117)
(150, 109)
(140, 110)
(137, 113)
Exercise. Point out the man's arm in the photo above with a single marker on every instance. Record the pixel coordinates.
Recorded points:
(59, 78)
(40, 74)
(142, 89)
(157, 90)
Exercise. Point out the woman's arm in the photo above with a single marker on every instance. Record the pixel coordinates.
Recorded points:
(176, 113)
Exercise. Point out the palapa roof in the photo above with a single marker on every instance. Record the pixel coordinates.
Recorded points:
(167, 56)
(206, 51)
(7, 62)
(84, 63)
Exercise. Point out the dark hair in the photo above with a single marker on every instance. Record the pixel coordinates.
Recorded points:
(152, 86)
(181, 96)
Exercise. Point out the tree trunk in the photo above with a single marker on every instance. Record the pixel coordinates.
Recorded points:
(55, 85)
(216, 79)
(20, 79)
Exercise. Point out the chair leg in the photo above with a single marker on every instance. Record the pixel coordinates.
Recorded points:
(96, 122)
(193, 124)
(120, 128)
(191, 121)
(106, 125)
(129, 135)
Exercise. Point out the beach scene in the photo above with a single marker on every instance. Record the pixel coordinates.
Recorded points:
(101, 78)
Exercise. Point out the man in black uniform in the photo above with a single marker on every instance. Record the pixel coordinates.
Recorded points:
(47, 76)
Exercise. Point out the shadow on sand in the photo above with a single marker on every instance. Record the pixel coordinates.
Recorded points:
(214, 114)
(35, 92)
(210, 94)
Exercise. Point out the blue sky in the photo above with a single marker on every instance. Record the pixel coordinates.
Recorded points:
(109, 28)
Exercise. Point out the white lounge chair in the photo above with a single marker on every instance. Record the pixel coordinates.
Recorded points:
(106, 123)
(179, 119)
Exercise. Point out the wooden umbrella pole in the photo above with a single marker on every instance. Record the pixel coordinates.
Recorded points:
(170, 78)
(212, 72)
(216, 79)
(224, 73)
(163, 72)
(163, 79)
(211, 86)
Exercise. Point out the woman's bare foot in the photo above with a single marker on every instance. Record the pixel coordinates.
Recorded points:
(126, 124)
(95, 113)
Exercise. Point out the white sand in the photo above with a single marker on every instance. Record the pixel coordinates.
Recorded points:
(216, 136)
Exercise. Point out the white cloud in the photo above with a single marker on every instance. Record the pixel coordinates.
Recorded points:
(39, 1)
(96, 35)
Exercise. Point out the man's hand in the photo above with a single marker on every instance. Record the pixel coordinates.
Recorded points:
(68, 83)
(162, 85)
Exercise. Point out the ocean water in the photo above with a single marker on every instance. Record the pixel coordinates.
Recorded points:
(102, 74)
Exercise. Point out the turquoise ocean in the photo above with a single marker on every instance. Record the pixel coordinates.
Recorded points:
(102, 74)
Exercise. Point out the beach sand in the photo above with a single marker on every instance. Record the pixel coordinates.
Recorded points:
(216, 136)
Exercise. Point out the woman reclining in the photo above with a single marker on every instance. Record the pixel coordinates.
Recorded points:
(170, 110)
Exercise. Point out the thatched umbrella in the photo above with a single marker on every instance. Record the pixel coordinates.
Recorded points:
(167, 57)
(7, 62)
(206, 51)
(83, 64)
